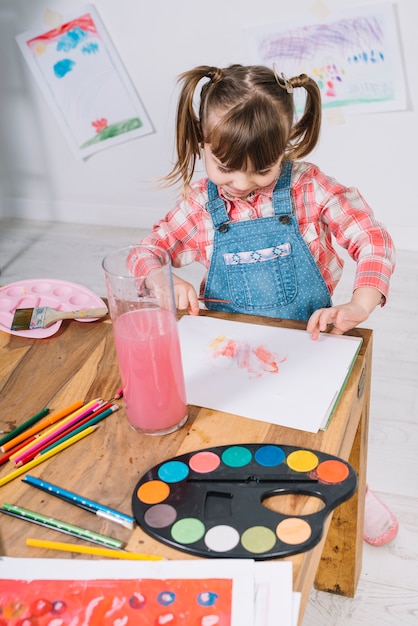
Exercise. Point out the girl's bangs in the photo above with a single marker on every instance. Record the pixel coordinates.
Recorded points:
(238, 143)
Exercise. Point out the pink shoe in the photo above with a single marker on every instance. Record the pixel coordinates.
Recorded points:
(380, 524)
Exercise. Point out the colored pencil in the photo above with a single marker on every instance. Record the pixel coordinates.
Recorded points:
(90, 422)
(51, 522)
(75, 428)
(72, 419)
(84, 503)
(44, 423)
(62, 421)
(118, 395)
(106, 552)
(19, 429)
(14, 450)
(40, 459)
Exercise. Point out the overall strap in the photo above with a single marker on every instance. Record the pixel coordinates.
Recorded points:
(281, 199)
(216, 208)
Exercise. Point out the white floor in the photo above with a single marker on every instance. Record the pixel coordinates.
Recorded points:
(388, 588)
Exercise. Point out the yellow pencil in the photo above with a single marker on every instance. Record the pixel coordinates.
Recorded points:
(106, 552)
(43, 457)
(53, 428)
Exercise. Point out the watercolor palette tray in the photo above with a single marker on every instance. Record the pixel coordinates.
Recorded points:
(223, 501)
(58, 294)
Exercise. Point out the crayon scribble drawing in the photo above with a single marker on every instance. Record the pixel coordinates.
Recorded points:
(355, 58)
(85, 83)
(257, 360)
(149, 602)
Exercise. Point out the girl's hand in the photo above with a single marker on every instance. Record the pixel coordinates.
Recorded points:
(185, 296)
(344, 317)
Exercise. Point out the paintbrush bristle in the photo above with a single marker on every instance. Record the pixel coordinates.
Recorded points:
(21, 319)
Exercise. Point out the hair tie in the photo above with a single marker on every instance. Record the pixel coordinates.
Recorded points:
(215, 74)
(282, 80)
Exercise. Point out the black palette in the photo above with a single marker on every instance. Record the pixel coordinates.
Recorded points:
(210, 502)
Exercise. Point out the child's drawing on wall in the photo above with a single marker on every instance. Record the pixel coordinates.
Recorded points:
(85, 83)
(354, 56)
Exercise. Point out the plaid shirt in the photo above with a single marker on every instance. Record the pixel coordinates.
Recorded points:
(325, 209)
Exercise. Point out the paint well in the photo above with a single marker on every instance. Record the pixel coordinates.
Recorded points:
(332, 471)
(293, 531)
(258, 539)
(204, 462)
(153, 491)
(173, 471)
(222, 538)
(237, 456)
(187, 530)
(302, 461)
(160, 516)
(270, 456)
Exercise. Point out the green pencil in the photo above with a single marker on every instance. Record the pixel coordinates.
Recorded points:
(19, 429)
(55, 524)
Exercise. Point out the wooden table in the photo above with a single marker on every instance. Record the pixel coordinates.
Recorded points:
(79, 362)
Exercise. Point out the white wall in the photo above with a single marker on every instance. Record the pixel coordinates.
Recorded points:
(157, 40)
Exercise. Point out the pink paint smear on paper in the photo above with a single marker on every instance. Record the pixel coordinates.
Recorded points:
(256, 360)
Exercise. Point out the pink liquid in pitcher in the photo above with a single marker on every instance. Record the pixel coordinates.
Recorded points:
(148, 350)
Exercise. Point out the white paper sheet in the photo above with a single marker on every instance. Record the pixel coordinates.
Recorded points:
(274, 598)
(266, 373)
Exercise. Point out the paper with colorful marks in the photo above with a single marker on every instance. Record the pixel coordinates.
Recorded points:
(108, 593)
(353, 54)
(85, 83)
(267, 373)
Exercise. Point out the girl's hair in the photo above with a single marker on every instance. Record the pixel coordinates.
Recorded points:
(247, 115)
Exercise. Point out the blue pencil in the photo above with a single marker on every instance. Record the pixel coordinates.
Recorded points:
(89, 505)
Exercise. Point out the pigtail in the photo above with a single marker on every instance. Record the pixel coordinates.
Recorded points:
(188, 128)
(305, 132)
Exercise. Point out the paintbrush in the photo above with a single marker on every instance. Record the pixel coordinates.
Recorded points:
(42, 317)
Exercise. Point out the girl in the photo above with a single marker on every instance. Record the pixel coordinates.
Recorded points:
(263, 222)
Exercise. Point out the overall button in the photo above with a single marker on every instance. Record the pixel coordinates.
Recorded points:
(284, 219)
(223, 228)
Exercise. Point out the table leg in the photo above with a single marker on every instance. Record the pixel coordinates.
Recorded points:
(340, 565)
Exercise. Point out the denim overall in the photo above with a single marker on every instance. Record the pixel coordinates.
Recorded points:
(263, 266)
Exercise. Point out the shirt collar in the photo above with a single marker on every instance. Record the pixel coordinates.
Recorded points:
(262, 192)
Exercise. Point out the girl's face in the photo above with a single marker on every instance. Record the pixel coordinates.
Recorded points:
(238, 183)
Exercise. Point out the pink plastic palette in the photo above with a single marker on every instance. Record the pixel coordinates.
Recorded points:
(217, 502)
(32, 293)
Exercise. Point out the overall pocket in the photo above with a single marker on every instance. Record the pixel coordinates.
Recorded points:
(261, 279)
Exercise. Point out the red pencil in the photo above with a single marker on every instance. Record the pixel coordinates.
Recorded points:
(212, 300)
(8, 454)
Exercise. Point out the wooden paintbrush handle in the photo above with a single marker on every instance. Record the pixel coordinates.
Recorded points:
(83, 313)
